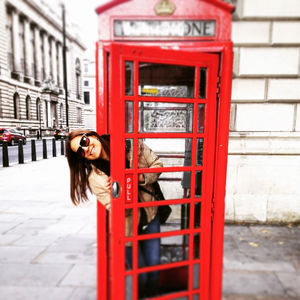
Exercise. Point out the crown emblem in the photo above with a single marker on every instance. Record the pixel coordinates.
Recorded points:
(164, 8)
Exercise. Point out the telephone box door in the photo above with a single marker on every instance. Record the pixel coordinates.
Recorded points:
(166, 101)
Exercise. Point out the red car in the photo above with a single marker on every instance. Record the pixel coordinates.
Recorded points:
(11, 136)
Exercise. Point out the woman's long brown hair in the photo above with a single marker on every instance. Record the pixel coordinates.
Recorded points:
(80, 168)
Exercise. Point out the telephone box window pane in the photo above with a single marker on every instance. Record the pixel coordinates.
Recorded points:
(174, 152)
(202, 83)
(170, 281)
(128, 285)
(129, 78)
(128, 153)
(199, 159)
(198, 184)
(201, 115)
(174, 185)
(197, 219)
(164, 250)
(196, 297)
(178, 219)
(165, 117)
(129, 116)
(128, 257)
(196, 268)
(197, 246)
(162, 80)
(128, 222)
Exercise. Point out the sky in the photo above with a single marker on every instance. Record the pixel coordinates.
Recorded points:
(83, 14)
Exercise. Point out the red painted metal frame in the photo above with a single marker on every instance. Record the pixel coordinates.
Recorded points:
(117, 129)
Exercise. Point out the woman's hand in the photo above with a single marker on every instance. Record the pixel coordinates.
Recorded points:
(141, 178)
(108, 183)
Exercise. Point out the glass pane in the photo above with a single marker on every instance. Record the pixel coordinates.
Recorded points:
(201, 115)
(162, 251)
(196, 297)
(128, 78)
(128, 153)
(170, 281)
(199, 160)
(196, 276)
(197, 246)
(128, 285)
(128, 222)
(198, 184)
(178, 218)
(165, 117)
(172, 152)
(197, 220)
(162, 80)
(202, 83)
(129, 116)
(128, 257)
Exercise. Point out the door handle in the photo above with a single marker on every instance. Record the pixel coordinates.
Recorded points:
(115, 189)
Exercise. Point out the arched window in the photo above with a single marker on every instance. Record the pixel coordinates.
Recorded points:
(16, 105)
(27, 102)
(38, 108)
(78, 78)
(61, 113)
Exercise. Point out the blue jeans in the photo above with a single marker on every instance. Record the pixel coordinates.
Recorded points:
(148, 255)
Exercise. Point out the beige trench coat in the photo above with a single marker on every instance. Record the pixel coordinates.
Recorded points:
(147, 159)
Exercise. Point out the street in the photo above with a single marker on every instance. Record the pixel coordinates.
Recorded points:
(14, 156)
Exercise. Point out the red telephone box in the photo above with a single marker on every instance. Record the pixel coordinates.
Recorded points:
(164, 78)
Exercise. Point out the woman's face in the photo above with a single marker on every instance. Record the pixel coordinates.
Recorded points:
(92, 151)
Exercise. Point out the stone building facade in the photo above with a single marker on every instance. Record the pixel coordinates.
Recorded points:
(263, 182)
(89, 93)
(31, 68)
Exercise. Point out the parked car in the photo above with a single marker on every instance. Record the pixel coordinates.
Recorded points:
(60, 134)
(11, 136)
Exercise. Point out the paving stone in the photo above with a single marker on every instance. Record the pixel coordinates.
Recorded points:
(8, 239)
(35, 293)
(46, 275)
(245, 283)
(290, 282)
(81, 275)
(84, 293)
(37, 240)
(65, 258)
(21, 254)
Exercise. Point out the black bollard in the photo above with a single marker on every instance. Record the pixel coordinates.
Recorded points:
(62, 147)
(53, 148)
(44, 149)
(5, 154)
(33, 150)
(20, 151)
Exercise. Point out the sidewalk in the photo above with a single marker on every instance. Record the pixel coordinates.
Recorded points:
(48, 246)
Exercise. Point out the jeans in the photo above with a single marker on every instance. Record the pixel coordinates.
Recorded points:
(148, 255)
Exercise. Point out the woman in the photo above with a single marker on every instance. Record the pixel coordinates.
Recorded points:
(88, 156)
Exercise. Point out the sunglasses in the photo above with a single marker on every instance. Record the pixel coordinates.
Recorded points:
(84, 142)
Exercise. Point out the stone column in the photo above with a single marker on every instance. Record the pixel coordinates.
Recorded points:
(28, 56)
(16, 43)
(49, 114)
(46, 56)
(38, 54)
(54, 61)
(60, 66)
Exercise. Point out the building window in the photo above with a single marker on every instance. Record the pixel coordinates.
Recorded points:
(32, 41)
(9, 37)
(38, 109)
(86, 83)
(87, 97)
(27, 103)
(86, 68)
(61, 114)
(16, 106)
(79, 115)
(78, 78)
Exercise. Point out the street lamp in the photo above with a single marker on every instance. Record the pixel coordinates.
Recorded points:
(65, 63)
